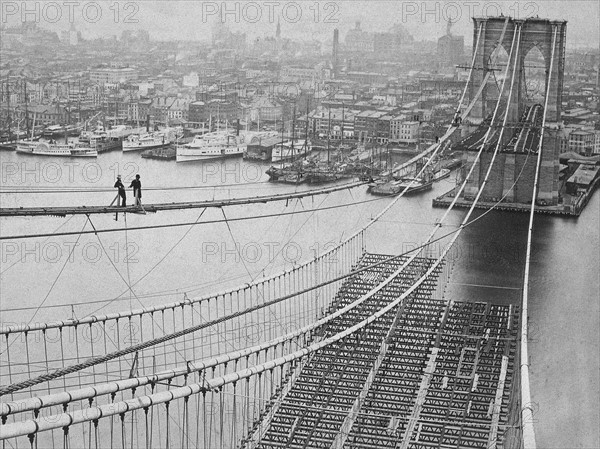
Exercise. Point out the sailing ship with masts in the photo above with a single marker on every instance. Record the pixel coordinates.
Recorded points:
(54, 147)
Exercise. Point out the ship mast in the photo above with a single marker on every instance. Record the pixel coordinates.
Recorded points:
(328, 131)
(105, 108)
(79, 102)
(342, 129)
(293, 128)
(8, 104)
(282, 140)
(68, 113)
(26, 108)
(306, 130)
(68, 103)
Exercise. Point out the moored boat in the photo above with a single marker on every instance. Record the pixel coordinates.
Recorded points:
(275, 173)
(165, 154)
(451, 164)
(289, 150)
(323, 177)
(212, 146)
(395, 187)
(53, 131)
(108, 140)
(52, 148)
(297, 177)
(150, 140)
(57, 131)
(441, 174)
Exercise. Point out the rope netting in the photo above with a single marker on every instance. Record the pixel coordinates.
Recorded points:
(229, 320)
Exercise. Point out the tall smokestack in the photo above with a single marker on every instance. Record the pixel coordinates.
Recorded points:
(336, 47)
(598, 62)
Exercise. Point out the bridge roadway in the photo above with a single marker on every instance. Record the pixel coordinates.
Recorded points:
(527, 137)
(89, 210)
(525, 134)
(430, 374)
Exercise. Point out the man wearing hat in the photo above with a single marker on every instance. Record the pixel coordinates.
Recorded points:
(137, 190)
(119, 185)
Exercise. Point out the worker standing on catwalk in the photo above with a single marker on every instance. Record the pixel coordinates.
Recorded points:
(119, 185)
(137, 190)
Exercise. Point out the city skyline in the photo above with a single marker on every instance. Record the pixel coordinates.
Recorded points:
(194, 21)
(366, 224)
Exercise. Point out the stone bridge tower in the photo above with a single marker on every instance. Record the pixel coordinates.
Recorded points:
(513, 172)
(535, 32)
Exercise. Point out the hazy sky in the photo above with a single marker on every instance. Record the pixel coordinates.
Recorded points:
(193, 19)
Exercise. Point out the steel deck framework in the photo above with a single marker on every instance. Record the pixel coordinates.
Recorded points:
(444, 382)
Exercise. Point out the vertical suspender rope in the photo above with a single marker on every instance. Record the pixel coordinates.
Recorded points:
(148, 430)
(183, 326)
(28, 361)
(127, 266)
(167, 443)
(185, 428)
(198, 418)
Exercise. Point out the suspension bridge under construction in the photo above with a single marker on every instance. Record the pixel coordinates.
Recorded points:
(354, 349)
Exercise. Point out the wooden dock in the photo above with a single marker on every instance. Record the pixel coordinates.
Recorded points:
(446, 199)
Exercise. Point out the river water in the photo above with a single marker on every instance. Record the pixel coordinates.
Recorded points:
(77, 275)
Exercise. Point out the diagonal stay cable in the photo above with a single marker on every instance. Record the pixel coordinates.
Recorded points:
(176, 291)
(162, 259)
(131, 291)
(129, 286)
(272, 261)
(235, 244)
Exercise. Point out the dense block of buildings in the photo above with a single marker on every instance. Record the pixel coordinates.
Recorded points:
(47, 114)
(213, 111)
(113, 75)
(403, 131)
(582, 141)
(386, 44)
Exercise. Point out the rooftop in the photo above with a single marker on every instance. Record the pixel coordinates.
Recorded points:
(584, 175)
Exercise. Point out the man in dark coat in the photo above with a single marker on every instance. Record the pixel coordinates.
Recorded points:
(119, 185)
(137, 190)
